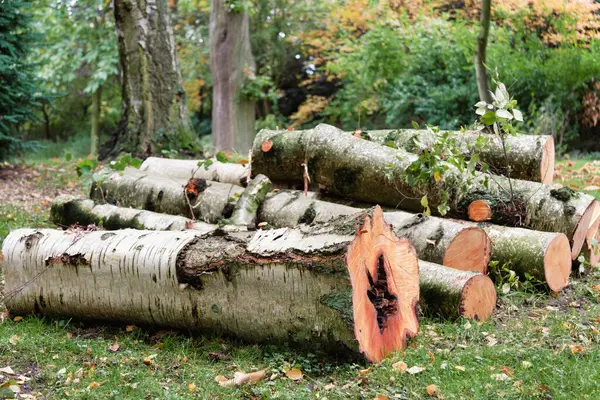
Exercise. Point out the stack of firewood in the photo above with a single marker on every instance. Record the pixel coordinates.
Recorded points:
(294, 244)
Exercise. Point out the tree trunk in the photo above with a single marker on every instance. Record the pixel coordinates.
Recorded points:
(332, 287)
(480, 56)
(452, 293)
(235, 174)
(530, 157)
(358, 169)
(95, 129)
(231, 62)
(437, 240)
(154, 106)
(196, 199)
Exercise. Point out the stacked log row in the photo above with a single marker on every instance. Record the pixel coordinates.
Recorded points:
(527, 157)
(365, 171)
(446, 292)
(355, 286)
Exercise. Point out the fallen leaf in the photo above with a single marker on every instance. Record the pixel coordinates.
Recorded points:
(69, 335)
(364, 371)
(526, 364)
(381, 397)
(114, 347)
(432, 390)
(220, 378)
(500, 377)
(491, 341)
(14, 339)
(294, 374)
(191, 387)
(468, 325)
(219, 356)
(129, 328)
(93, 385)
(576, 349)
(7, 371)
(415, 370)
(459, 367)
(329, 386)
(17, 319)
(400, 366)
(239, 378)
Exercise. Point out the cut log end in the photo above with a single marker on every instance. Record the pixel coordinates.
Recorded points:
(547, 164)
(480, 210)
(384, 274)
(591, 251)
(478, 298)
(470, 250)
(557, 263)
(581, 231)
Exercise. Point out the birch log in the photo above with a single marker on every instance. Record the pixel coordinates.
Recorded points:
(196, 198)
(365, 171)
(529, 157)
(235, 174)
(334, 287)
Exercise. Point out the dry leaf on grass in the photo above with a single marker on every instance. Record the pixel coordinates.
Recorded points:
(381, 397)
(114, 347)
(400, 366)
(239, 378)
(191, 386)
(294, 374)
(432, 390)
(7, 371)
(415, 370)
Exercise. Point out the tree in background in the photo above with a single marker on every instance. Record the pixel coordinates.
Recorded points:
(231, 62)
(154, 107)
(483, 84)
(18, 86)
(78, 54)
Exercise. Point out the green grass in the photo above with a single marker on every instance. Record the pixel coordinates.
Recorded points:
(536, 346)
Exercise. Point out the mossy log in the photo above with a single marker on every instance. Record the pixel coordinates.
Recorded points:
(235, 174)
(529, 157)
(365, 171)
(452, 293)
(246, 207)
(194, 198)
(349, 286)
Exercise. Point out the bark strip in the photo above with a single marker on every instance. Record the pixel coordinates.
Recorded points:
(244, 213)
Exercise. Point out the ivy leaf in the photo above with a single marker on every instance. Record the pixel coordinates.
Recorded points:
(222, 157)
(489, 118)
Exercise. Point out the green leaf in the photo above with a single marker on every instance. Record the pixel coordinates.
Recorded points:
(222, 157)
(489, 118)
(414, 125)
(424, 201)
(207, 164)
(68, 157)
(443, 209)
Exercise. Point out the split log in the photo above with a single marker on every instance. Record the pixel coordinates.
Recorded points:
(235, 174)
(333, 286)
(196, 198)
(365, 171)
(529, 157)
(450, 292)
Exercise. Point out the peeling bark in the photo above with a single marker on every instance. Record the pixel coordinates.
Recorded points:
(151, 85)
(529, 157)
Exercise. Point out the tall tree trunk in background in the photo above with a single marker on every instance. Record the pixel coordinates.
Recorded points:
(95, 129)
(482, 77)
(152, 91)
(231, 59)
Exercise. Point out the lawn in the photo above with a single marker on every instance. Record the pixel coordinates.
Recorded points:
(537, 345)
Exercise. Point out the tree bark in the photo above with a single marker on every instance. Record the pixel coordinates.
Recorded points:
(442, 289)
(246, 208)
(207, 201)
(154, 105)
(235, 174)
(451, 293)
(95, 128)
(334, 287)
(480, 56)
(358, 169)
(530, 157)
(230, 62)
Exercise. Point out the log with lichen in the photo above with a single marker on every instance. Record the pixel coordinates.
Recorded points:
(349, 286)
(195, 198)
(527, 157)
(224, 172)
(365, 171)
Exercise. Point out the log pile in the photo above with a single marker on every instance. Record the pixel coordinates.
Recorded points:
(294, 247)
